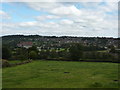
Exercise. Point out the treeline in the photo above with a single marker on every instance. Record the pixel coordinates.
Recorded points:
(35, 36)
(73, 52)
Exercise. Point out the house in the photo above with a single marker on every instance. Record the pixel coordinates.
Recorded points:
(25, 44)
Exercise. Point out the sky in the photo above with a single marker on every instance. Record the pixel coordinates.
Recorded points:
(84, 19)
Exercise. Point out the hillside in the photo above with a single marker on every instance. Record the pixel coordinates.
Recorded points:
(61, 74)
(54, 41)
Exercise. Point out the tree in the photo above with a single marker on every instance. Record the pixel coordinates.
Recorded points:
(33, 48)
(76, 51)
(33, 55)
(21, 53)
(43, 54)
(6, 53)
(53, 54)
(112, 49)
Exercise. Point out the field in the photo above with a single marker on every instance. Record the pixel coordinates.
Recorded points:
(61, 74)
(15, 61)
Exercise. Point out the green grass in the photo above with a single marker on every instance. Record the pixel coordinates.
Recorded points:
(104, 51)
(14, 61)
(50, 74)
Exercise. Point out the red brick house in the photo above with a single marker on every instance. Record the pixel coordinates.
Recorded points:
(25, 44)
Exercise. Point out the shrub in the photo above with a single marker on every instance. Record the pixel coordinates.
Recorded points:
(33, 55)
(6, 53)
(76, 51)
(5, 63)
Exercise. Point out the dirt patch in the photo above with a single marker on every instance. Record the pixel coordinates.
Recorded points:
(116, 80)
(66, 72)
(54, 69)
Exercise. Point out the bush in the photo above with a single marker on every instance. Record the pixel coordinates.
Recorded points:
(33, 55)
(5, 63)
(6, 53)
(76, 51)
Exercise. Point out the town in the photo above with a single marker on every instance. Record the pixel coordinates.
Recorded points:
(47, 42)
(58, 48)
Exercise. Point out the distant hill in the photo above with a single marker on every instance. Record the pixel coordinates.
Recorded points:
(13, 40)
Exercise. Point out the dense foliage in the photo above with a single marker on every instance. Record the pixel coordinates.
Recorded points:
(6, 53)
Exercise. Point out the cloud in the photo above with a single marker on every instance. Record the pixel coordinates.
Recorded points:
(65, 21)
(93, 19)
(69, 10)
(4, 15)
(43, 5)
(46, 17)
(59, 0)
(27, 24)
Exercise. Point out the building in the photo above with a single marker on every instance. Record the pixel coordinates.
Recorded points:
(25, 44)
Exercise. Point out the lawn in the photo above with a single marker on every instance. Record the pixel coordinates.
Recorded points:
(61, 74)
(14, 61)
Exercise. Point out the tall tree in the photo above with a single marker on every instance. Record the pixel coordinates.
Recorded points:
(33, 55)
(75, 51)
(6, 53)
(33, 48)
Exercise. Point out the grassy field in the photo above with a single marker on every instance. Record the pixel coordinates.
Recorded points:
(14, 61)
(61, 74)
